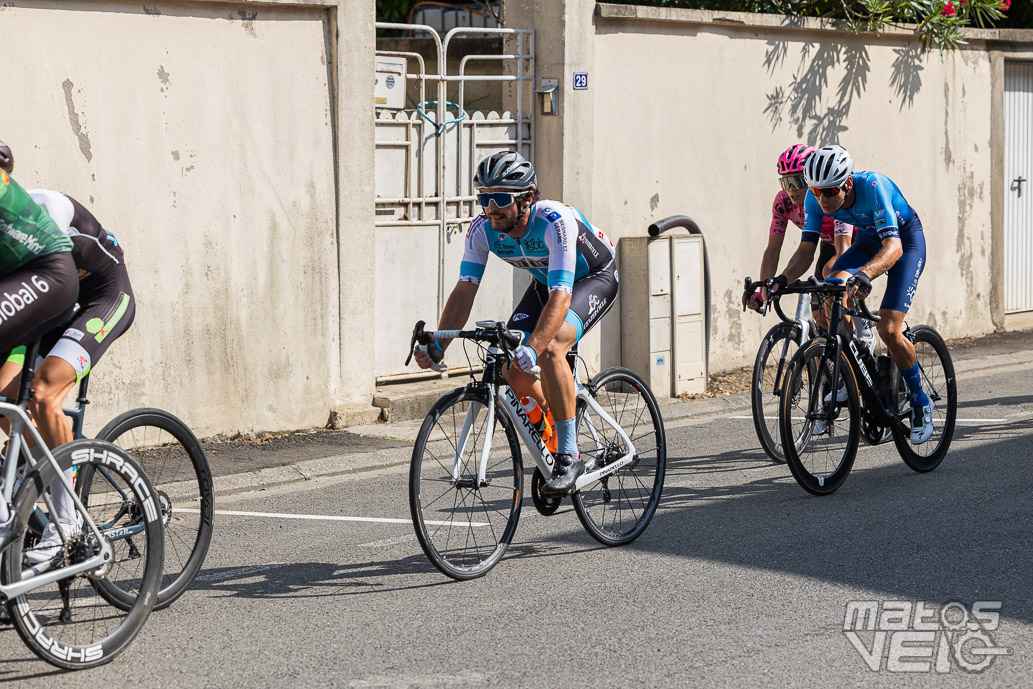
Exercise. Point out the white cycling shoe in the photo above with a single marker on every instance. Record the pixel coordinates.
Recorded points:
(50, 543)
(921, 423)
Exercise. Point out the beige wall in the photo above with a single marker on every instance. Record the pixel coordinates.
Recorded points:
(203, 136)
(688, 121)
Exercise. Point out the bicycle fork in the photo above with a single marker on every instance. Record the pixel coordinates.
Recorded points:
(480, 481)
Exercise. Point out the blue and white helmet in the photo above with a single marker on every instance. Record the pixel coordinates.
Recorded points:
(829, 166)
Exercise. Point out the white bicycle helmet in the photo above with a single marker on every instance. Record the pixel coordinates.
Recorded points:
(829, 166)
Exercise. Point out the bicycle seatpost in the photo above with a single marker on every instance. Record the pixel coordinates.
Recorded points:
(28, 373)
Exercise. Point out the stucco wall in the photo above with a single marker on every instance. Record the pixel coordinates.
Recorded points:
(203, 136)
(691, 113)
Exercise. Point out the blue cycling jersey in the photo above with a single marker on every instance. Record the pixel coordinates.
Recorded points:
(559, 248)
(879, 209)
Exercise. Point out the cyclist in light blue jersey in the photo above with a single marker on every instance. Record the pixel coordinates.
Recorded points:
(889, 240)
(573, 285)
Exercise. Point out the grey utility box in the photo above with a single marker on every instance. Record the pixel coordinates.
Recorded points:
(663, 336)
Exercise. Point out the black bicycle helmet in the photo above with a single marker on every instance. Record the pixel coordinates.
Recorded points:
(507, 170)
(6, 158)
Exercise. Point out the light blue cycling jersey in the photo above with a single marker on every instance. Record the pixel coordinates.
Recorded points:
(879, 210)
(559, 248)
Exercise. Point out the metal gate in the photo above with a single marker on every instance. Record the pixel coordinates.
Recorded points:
(1018, 198)
(426, 153)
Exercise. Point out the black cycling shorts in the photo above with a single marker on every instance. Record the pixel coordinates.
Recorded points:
(36, 298)
(592, 297)
(106, 310)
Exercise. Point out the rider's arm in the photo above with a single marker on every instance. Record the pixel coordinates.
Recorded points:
(801, 260)
(881, 262)
(769, 264)
(551, 320)
(561, 239)
(457, 308)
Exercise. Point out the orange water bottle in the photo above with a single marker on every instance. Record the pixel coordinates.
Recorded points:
(542, 422)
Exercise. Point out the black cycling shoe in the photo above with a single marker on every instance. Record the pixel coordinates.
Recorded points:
(564, 475)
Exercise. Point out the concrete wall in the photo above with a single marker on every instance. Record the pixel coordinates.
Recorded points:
(692, 109)
(687, 112)
(205, 136)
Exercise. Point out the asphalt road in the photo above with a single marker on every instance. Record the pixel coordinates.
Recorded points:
(743, 579)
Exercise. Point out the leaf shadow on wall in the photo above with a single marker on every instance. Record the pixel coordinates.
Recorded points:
(808, 104)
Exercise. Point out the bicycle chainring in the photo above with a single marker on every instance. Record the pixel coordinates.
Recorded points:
(546, 505)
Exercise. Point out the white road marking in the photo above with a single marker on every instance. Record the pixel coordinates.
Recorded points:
(331, 518)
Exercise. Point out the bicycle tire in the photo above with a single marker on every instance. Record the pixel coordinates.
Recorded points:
(828, 459)
(639, 484)
(435, 499)
(176, 464)
(35, 614)
(765, 391)
(941, 385)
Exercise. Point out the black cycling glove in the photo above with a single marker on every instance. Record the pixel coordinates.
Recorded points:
(863, 283)
(781, 281)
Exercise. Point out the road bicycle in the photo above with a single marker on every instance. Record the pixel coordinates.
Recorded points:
(172, 457)
(776, 349)
(834, 387)
(466, 475)
(61, 608)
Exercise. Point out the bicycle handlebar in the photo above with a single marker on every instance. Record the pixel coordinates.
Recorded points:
(810, 286)
(496, 334)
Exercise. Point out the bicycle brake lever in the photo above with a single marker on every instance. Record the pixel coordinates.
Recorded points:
(416, 332)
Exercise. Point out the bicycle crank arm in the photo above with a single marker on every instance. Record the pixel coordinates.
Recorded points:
(593, 476)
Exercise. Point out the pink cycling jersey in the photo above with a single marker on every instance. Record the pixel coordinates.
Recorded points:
(783, 210)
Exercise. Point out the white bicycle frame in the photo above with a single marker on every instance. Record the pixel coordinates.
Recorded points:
(503, 397)
(19, 422)
(808, 328)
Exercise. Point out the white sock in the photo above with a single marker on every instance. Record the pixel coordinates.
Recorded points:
(5, 512)
(63, 504)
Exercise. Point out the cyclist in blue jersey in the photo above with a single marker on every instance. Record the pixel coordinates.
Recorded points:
(889, 240)
(573, 285)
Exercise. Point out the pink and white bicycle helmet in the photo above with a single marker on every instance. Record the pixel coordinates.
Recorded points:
(792, 159)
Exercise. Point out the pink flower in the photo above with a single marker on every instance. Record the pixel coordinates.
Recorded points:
(948, 9)
(1004, 5)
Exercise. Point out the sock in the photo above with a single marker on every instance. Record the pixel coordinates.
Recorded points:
(5, 512)
(914, 385)
(566, 436)
(63, 504)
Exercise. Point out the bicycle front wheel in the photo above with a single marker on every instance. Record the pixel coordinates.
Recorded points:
(174, 461)
(464, 525)
(770, 371)
(941, 385)
(820, 419)
(65, 622)
(617, 509)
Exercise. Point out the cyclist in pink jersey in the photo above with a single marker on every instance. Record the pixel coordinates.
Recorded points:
(788, 207)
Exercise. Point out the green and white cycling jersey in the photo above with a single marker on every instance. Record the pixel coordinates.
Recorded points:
(26, 231)
(559, 248)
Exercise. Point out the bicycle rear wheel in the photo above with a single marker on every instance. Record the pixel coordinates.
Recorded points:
(618, 508)
(770, 371)
(174, 461)
(65, 622)
(463, 527)
(820, 434)
(941, 385)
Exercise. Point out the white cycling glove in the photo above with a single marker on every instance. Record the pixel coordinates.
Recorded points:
(525, 358)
